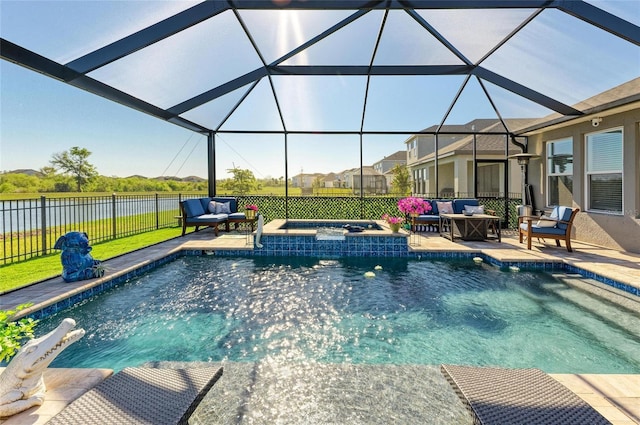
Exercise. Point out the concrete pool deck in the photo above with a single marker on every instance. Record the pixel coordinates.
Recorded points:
(617, 397)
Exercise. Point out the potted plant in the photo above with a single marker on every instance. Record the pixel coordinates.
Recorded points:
(393, 222)
(250, 211)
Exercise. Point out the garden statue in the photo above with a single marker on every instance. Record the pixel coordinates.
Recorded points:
(21, 383)
(77, 262)
(259, 231)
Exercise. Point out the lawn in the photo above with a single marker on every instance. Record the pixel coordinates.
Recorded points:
(20, 274)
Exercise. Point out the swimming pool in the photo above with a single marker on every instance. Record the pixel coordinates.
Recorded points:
(327, 311)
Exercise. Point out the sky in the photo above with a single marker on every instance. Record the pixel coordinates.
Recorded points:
(40, 116)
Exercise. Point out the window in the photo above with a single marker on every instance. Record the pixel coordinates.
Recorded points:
(560, 172)
(604, 171)
(489, 180)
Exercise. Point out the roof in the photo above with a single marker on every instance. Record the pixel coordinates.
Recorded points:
(623, 95)
(396, 156)
(310, 66)
(486, 144)
(367, 170)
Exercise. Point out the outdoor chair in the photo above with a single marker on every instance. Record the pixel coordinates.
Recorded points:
(556, 226)
(142, 396)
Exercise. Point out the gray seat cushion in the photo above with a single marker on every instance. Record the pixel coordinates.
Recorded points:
(237, 216)
(209, 218)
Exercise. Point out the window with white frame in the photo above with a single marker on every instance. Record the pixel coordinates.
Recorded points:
(604, 171)
(560, 172)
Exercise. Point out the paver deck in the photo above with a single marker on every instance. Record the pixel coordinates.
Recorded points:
(616, 397)
(63, 387)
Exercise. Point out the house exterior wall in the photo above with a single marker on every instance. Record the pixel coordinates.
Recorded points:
(455, 177)
(611, 230)
(386, 165)
(304, 180)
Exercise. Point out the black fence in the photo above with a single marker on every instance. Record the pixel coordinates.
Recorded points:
(31, 227)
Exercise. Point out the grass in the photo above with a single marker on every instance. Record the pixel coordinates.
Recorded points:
(26, 242)
(20, 274)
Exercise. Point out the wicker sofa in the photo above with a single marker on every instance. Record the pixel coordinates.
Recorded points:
(209, 212)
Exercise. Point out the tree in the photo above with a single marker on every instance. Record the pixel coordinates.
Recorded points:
(74, 162)
(242, 182)
(401, 183)
(317, 184)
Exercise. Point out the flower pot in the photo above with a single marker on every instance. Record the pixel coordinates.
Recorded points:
(395, 227)
(250, 214)
(414, 215)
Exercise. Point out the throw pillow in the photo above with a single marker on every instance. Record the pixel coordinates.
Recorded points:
(223, 208)
(445, 207)
(475, 209)
(212, 207)
(546, 223)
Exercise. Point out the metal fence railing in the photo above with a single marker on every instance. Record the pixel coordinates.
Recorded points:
(31, 227)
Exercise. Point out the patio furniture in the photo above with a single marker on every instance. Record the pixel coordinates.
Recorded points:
(142, 396)
(557, 226)
(469, 227)
(210, 212)
(235, 219)
(432, 219)
(518, 396)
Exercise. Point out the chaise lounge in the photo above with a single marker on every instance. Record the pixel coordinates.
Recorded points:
(557, 226)
(142, 396)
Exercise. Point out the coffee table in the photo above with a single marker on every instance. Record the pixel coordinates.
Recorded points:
(469, 227)
(239, 221)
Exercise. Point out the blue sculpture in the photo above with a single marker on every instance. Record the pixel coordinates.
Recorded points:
(77, 263)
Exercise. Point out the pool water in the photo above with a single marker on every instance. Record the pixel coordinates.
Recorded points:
(328, 311)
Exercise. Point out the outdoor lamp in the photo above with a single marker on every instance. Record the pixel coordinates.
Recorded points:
(523, 158)
(523, 161)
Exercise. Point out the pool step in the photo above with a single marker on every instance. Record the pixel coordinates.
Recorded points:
(600, 332)
(605, 320)
(594, 318)
(607, 303)
(623, 298)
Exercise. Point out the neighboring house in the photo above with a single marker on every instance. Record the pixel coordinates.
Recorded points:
(592, 162)
(371, 180)
(456, 160)
(305, 181)
(386, 165)
(331, 180)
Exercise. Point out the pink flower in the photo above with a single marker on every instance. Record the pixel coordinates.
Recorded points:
(392, 220)
(251, 207)
(411, 205)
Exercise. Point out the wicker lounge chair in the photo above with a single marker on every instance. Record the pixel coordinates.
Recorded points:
(557, 226)
(141, 396)
(518, 396)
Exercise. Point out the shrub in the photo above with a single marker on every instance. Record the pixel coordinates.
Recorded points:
(12, 333)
